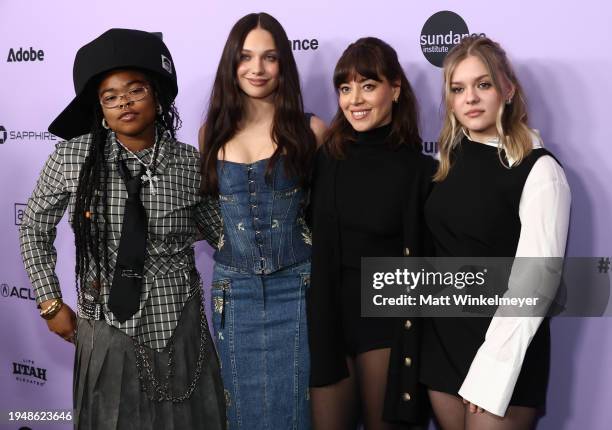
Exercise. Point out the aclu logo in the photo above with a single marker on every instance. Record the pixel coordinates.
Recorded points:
(23, 54)
(11, 292)
(26, 371)
(6, 135)
(441, 32)
(19, 210)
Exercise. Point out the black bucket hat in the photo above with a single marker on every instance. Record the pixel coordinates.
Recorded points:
(116, 48)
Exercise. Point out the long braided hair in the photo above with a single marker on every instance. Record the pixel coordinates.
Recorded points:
(90, 218)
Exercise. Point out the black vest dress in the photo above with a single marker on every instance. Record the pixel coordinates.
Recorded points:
(474, 212)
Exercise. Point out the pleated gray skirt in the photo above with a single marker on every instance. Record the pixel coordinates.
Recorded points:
(108, 393)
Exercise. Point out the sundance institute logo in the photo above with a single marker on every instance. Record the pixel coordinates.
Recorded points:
(441, 32)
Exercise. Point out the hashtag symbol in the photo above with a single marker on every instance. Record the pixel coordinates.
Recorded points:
(604, 265)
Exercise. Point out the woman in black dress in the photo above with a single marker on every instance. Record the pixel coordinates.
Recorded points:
(497, 194)
(369, 187)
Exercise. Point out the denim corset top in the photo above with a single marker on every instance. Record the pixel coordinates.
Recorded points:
(263, 221)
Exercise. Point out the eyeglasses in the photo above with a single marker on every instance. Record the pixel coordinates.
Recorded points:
(134, 95)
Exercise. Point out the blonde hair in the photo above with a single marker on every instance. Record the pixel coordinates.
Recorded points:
(511, 121)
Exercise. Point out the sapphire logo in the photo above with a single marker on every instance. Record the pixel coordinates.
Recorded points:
(24, 54)
(24, 135)
(27, 372)
(441, 32)
(19, 209)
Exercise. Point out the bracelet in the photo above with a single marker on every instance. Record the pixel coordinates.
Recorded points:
(52, 310)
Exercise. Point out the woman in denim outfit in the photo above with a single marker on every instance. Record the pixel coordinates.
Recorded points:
(257, 146)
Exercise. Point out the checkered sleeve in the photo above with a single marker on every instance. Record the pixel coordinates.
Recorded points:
(37, 232)
(209, 221)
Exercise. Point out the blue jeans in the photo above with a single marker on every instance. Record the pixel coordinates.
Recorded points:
(261, 335)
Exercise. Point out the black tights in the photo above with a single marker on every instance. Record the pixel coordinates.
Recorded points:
(452, 414)
(360, 396)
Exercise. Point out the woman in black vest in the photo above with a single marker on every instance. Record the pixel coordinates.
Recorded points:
(497, 194)
(369, 188)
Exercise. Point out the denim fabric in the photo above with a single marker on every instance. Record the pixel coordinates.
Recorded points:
(262, 271)
(263, 221)
(261, 336)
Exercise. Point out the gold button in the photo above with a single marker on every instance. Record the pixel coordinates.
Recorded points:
(406, 397)
(406, 252)
(407, 361)
(407, 324)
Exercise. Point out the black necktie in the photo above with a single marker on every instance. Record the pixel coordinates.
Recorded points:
(124, 297)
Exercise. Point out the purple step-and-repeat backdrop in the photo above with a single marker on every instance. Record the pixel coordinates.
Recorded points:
(561, 51)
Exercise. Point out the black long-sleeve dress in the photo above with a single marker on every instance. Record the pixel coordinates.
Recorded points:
(369, 204)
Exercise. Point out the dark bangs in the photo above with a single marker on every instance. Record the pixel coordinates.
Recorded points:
(359, 59)
(374, 59)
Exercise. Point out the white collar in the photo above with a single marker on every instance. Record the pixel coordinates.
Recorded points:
(536, 141)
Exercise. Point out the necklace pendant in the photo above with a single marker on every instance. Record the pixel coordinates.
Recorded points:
(151, 179)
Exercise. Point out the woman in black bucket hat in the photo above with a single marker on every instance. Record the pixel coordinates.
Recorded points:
(144, 358)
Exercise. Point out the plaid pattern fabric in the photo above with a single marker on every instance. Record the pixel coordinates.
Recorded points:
(177, 215)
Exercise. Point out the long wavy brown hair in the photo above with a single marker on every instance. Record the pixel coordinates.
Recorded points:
(290, 131)
(511, 122)
(374, 59)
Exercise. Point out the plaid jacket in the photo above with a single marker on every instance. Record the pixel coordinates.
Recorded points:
(177, 214)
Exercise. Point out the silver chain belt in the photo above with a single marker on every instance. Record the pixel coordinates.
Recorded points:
(159, 390)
